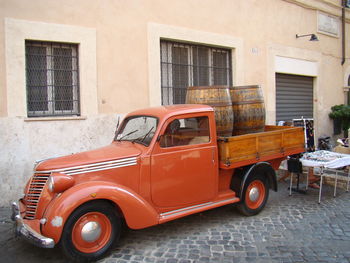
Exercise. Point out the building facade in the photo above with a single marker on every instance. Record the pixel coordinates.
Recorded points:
(69, 69)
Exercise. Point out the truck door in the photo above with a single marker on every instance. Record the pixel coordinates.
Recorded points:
(183, 163)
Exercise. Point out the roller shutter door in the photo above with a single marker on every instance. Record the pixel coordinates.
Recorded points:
(294, 97)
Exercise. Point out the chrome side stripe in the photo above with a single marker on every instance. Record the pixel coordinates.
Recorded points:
(195, 207)
(94, 167)
(100, 168)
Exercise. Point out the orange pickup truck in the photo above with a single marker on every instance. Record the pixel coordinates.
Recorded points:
(164, 163)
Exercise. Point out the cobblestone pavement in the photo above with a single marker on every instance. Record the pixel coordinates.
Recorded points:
(289, 229)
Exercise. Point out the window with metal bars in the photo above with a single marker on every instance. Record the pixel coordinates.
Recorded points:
(52, 79)
(184, 65)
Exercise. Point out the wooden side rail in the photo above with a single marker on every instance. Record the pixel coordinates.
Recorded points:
(274, 141)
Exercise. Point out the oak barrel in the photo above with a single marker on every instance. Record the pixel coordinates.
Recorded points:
(217, 97)
(248, 109)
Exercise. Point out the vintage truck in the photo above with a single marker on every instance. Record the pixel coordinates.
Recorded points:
(164, 163)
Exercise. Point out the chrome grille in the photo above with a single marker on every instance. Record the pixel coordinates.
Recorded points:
(32, 197)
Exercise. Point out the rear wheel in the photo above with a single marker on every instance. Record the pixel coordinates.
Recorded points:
(255, 195)
(91, 231)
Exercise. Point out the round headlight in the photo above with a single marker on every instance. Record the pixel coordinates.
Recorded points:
(59, 182)
(51, 184)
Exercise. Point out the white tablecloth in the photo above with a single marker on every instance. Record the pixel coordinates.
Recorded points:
(325, 159)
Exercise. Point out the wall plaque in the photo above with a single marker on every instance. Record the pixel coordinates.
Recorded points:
(328, 24)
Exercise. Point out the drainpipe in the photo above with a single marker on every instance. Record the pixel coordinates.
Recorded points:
(343, 31)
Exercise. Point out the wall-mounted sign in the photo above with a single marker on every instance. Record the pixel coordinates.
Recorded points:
(328, 24)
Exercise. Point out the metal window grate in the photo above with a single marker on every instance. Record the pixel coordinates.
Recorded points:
(52, 79)
(184, 65)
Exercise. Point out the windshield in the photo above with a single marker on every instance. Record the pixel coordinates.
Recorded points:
(138, 129)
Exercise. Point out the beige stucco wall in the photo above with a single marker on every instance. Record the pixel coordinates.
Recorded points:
(28, 141)
(120, 64)
(17, 31)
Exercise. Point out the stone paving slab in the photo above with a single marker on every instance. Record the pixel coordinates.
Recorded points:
(289, 229)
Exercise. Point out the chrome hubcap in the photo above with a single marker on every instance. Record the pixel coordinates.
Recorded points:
(254, 194)
(91, 231)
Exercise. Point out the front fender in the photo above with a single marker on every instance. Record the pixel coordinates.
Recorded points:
(138, 213)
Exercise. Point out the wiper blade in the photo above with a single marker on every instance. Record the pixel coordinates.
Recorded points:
(144, 137)
(147, 134)
(126, 135)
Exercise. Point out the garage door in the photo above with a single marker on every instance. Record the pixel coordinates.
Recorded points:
(294, 97)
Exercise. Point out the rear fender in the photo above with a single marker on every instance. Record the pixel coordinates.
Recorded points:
(241, 175)
(137, 212)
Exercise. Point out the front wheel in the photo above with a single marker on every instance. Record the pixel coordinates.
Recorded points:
(91, 231)
(255, 195)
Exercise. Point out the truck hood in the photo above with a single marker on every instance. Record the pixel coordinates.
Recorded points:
(113, 153)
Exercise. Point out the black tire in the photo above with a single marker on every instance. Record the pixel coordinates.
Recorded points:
(255, 195)
(103, 235)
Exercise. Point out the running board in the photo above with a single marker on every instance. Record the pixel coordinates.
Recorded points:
(171, 215)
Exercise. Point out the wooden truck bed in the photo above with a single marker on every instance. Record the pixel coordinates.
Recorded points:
(275, 142)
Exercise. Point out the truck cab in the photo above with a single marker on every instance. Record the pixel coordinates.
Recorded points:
(164, 163)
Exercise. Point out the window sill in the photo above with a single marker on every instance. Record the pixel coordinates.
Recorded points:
(73, 118)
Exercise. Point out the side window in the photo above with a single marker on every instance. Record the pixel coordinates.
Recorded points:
(187, 131)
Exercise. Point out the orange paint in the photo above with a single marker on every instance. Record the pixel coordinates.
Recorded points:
(61, 182)
(258, 186)
(151, 178)
(91, 247)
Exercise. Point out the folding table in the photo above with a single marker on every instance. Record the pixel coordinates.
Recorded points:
(329, 164)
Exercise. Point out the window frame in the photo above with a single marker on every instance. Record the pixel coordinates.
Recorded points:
(50, 79)
(166, 63)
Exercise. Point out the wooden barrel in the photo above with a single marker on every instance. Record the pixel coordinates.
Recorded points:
(217, 97)
(248, 109)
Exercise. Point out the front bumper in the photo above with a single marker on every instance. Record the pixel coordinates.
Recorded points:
(25, 231)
